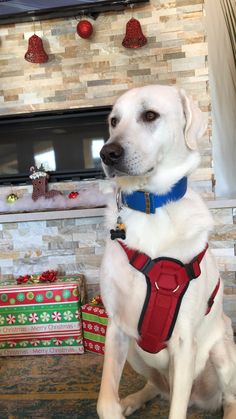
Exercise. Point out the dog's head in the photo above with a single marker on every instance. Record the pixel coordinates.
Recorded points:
(153, 137)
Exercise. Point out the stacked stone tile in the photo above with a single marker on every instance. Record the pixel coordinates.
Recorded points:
(95, 72)
(77, 245)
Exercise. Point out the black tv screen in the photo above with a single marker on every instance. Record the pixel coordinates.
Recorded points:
(66, 142)
(13, 11)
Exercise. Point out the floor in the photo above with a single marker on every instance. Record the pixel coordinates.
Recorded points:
(65, 387)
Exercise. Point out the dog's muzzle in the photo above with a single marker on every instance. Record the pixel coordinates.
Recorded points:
(111, 154)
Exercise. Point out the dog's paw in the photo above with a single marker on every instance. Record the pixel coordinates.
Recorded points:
(109, 411)
(130, 404)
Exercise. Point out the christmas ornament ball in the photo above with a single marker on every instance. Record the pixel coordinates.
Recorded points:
(12, 198)
(84, 29)
(73, 195)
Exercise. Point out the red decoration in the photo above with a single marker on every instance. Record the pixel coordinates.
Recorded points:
(35, 52)
(84, 29)
(73, 195)
(47, 276)
(97, 300)
(23, 279)
(134, 37)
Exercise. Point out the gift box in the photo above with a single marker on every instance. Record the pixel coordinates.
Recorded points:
(42, 318)
(94, 321)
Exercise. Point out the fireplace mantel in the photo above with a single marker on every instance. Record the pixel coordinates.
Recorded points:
(51, 215)
(87, 212)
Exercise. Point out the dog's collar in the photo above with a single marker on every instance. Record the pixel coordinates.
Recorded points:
(148, 202)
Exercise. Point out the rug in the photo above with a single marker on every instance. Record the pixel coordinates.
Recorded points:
(66, 387)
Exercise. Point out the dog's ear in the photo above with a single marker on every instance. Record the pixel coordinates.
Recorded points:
(196, 121)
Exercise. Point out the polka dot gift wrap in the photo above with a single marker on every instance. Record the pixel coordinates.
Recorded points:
(42, 318)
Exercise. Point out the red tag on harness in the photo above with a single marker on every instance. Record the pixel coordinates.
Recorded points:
(167, 281)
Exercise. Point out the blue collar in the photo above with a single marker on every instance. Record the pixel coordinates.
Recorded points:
(148, 202)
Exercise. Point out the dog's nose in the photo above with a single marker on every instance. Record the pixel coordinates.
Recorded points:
(111, 153)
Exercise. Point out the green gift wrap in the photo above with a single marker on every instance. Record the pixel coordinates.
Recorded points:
(42, 318)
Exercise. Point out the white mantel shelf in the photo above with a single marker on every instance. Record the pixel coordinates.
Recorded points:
(51, 215)
(222, 203)
(86, 212)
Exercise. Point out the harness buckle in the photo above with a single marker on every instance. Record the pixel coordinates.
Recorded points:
(147, 266)
(193, 269)
(143, 267)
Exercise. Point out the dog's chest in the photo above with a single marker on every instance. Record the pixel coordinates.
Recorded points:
(123, 289)
(148, 233)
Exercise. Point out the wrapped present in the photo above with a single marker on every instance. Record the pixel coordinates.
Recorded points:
(42, 318)
(94, 320)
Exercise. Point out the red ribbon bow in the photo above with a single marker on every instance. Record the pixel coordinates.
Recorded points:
(23, 279)
(47, 276)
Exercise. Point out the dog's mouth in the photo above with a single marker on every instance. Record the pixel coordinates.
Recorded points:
(114, 172)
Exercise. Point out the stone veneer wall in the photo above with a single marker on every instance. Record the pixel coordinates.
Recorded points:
(67, 245)
(94, 72)
(223, 245)
(77, 245)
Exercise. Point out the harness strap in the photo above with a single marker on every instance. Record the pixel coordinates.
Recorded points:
(212, 297)
(167, 281)
(144, 263)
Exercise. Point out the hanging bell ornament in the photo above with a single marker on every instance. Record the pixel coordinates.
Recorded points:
(84, 29)
(134, 37)
(36, 53)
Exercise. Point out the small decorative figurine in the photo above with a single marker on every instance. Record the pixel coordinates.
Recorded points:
(39, 179)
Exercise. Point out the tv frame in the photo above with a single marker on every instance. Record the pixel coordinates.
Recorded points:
(54, 176)
(91, 10)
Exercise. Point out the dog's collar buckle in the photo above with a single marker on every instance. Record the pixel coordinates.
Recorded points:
(147, 202)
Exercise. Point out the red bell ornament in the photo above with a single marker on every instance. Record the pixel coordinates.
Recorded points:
(35, 52)
(134, 37)
(84, 29)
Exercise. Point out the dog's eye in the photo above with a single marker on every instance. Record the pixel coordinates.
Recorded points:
(150, 116)
(113, 121)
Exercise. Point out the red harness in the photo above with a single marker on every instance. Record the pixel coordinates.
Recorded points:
(167, 281)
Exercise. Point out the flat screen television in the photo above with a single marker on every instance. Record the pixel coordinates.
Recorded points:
(13, 11)
(66, 142)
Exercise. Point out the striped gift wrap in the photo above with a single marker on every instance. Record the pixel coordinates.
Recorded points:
(94, 320)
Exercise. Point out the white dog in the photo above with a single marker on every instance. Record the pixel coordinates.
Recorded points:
(187, 355)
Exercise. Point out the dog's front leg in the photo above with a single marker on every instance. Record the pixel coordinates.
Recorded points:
(116, 349)
(182, 366)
